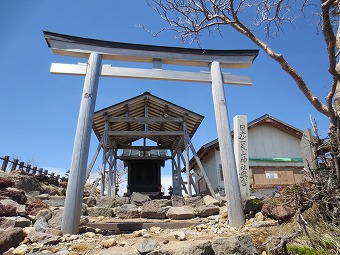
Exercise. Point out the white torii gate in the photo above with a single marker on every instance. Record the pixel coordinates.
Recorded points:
(96, 50)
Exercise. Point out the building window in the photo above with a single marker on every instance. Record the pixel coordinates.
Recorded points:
(272, 176)
(221, 172)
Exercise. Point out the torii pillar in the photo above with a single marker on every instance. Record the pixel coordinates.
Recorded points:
(77, 177)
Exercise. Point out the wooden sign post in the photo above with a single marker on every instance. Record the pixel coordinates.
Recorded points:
(242, 154)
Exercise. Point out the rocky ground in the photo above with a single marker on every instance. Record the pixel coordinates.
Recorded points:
(31, 210)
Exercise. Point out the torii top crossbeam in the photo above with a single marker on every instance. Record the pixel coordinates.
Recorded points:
(82, 47)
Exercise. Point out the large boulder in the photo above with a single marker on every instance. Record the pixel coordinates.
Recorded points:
(181, 213)
(10, 238)
(122, 201)
(57, 217)
(15, 221)
(19, 209)
(25, 182)
(234, 245)
(36, 206)
(177, 201)
(139, 199)
(7, 210)
(5, 183)
(153, 210)
(205, 211)
(127, 211)
(194, 201)
(278, 212)
(107, 202)
(55, 201)
(90, 201)
(209, 200)
(99, 211)
(18, 196)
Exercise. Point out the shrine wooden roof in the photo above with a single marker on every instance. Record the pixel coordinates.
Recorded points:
(146, 116)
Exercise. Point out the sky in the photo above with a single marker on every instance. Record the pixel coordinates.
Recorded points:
(39, 110)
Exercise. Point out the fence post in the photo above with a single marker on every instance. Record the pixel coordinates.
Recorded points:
(28, 168)
(34, 170)
(14, 164)
(40, 171)
(4, 163)
(21, 165)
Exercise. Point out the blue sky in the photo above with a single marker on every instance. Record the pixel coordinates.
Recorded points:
(39, 110)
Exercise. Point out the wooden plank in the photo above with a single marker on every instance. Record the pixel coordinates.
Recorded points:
(232, 188)
(150, 74)
(145, 119)
(75, 188)
(145, 148)
(82, 47)
(145, 133)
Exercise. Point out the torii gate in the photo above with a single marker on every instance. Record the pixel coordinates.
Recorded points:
(96, 50)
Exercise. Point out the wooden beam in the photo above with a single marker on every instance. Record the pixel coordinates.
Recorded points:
(142, 157)
(75, 188)
(231, 184)
(145, 148)
(145, 133)
(150, 74)
(81, 47)
(145, 119)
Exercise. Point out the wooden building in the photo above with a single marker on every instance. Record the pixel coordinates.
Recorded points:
(274, 157)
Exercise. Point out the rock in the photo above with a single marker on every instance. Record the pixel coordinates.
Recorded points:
(55, 201)
(19, 209)
(122, 201)
(7, 210)
(53, 231)
(223, 214)
(179, 235)
(105, 202)
(32, 196)
(177, 201)
(39, 237)
(10, 238)
(55, 221)
(53, 190)
(147, 246)
(259, 224)
(194, 202)
(18, 221)
(139, 199)
(127, 211)
(252, 207)
(16, 195)
(36, 206)
(199, 248)
(40, 224)
(234, 245)
(278, 212)
(209, 200)
(21, 250)
(90, 201)
(181, 213)
(46, 213)
(108, 243)
(26, 183)
(99, 211)
(205, 211)
(152, 210)
(5, 182)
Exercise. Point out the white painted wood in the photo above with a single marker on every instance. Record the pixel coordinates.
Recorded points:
(77, 178)
(83, 50)
(232, 187)
(150, 74)
(242, 154)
